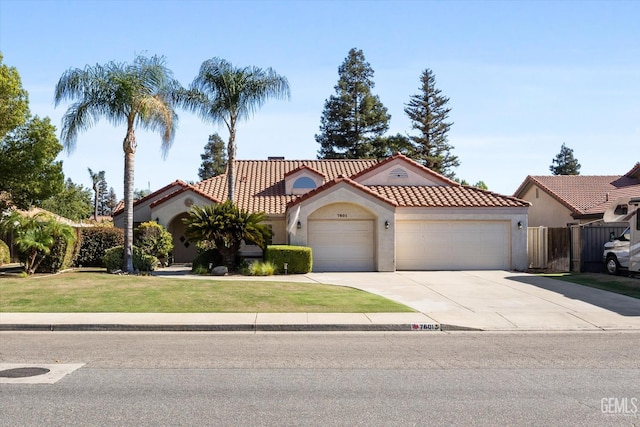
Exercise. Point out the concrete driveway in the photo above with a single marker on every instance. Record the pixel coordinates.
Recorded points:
(497, 300)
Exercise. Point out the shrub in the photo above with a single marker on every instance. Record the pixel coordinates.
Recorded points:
(261, 268)
(204, 258)
(153, 239)
(62, 254)
(5, 254)
(298, 258)
(94, 242)
(113, 259)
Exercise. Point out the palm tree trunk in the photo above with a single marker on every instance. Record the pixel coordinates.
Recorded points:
(231, 156)
(129, 147)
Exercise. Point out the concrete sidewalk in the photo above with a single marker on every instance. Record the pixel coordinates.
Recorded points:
(443, 300)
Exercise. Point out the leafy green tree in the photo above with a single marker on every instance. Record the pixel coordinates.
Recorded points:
(222, 93)
(352, 118)
(34, 236)
(224, 227)
(141, 94)
(14, 100)
(153, 239)
(73, 202)
(428, 112)
(214, 158)
(29, 171)
(565, 163)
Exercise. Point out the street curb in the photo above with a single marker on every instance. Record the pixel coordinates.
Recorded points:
(230, 328)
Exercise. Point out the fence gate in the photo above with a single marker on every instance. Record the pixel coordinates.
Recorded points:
(592, 240)
(549, 248)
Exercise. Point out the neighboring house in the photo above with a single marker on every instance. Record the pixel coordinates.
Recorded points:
(560, 200)
(359, 215)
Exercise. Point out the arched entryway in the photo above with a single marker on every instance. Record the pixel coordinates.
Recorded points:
(183, 250)
(342, 238)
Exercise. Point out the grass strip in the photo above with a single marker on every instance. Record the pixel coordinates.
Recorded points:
(628, 286)
(99, 292)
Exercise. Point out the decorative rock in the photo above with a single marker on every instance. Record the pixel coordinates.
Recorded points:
(220, 270)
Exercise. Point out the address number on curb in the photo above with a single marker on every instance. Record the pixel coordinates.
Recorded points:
(425, 327)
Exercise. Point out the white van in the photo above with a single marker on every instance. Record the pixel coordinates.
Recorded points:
(623, 252)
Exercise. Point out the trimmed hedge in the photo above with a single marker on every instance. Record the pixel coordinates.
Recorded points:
(94, 242)
(5, 254)
(114, 257)
(298, 258)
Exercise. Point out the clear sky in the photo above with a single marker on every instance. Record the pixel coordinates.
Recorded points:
(523, 77)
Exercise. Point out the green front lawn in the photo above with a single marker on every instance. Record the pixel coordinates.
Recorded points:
(91, 291)
(619, 284)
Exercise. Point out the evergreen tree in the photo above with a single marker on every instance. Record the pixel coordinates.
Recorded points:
(564, 163)
(428, 112)
(352, 118)
(103, 199)
(112, 201)
(214, 158)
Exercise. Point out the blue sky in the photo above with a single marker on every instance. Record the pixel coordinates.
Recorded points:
(523, 77)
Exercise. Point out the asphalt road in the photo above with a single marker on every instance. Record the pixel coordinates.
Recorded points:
(431, 378)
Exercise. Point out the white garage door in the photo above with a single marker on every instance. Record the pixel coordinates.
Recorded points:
(452, 245)
(342, 245)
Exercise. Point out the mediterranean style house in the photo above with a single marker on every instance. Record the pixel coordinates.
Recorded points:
(561, 200)
(359, 215)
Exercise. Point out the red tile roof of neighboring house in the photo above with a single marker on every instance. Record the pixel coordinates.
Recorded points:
(259, 186)
(586, 195)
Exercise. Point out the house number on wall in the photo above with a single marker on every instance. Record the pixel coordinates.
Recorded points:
(342, 215)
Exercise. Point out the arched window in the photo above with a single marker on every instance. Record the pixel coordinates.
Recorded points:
(304, 183)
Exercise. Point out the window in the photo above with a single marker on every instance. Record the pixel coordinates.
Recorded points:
(304, 183)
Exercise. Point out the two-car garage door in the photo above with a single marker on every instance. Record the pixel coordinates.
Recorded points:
(452, 245)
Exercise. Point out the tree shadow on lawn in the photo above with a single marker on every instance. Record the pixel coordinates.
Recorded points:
(621, 304)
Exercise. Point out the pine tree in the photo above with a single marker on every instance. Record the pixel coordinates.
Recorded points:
(428, 112)
(214, 158)
(103, 197)
(352, 118)
(112, 201)
(564, 163)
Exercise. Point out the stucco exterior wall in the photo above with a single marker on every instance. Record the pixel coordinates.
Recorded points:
(333, 202)
(545, 210)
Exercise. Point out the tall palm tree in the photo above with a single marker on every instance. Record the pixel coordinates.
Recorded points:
(96, 177)
(139, 94)
(222, 93)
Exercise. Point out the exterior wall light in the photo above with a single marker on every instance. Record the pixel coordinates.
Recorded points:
(519, 225)
(386, 224)
(299, 225)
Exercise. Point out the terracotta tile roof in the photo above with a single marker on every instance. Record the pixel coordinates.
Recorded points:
(418, 165)
(260, 183)
(634, 172)
(366, 189)
(441, 196)
(584, 194)
(120, 207)
(260, 186)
